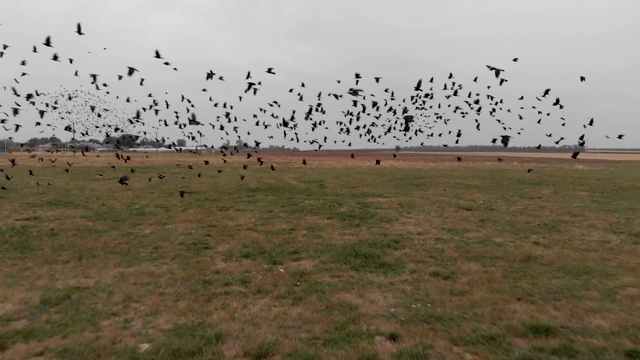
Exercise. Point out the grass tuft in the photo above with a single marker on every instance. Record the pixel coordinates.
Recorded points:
(631, 353)
(540, 329)
(265, 349)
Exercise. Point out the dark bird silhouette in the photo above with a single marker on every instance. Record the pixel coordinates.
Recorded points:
(504, 139)
(182, 192)
(79, 29)
(378, 162)
(418, 86)
(575, 154)
(458, 158)
(124, 180)
(495, 70)
(47, 42)
(131, 71)
(354, 92)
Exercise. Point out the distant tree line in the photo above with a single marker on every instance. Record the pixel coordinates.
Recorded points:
(127, 140)
(490, 148)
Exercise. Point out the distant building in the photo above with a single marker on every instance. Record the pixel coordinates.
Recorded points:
(87, 147)
(45, 147)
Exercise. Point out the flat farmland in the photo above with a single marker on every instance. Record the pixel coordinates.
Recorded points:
(422, 257)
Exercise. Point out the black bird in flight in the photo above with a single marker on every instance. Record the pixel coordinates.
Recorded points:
(47, 42)
(355, 92)
(418, 86)
(495, 70)
(182, 192)
(79, 29)
(123, 180)
(575, 154)
(131, 71)
(505, 140)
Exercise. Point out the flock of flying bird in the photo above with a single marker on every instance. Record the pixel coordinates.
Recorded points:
(371, 117)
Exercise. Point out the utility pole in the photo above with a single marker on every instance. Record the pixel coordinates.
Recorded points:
(73, 137)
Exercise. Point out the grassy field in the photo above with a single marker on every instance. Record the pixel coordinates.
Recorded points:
(474, 260)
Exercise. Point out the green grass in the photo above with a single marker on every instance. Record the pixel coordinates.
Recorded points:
(437, 260)
(265, 349)
(540, 329)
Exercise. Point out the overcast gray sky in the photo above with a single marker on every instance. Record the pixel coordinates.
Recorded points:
(319, 42)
